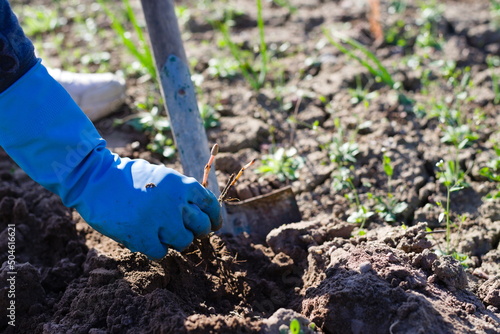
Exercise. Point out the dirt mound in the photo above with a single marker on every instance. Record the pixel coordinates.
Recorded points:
(361, 285)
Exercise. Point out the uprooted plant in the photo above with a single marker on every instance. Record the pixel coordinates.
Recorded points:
(217, 255)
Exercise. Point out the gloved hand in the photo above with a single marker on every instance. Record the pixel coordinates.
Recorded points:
(145, 207)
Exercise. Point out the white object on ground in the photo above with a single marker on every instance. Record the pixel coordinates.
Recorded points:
(98, 94)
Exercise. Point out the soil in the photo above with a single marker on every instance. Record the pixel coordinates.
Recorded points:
(321, 270)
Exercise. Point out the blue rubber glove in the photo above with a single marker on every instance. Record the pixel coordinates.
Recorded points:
(53, 141)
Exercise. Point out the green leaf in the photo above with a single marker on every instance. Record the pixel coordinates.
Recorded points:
(457, 187)
(295, 326)
(387, 166)
(400, 207)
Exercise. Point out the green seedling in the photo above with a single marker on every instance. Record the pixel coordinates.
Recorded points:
(156, 126)
(342, 179)
(462, 258)
(284, 163)
(453, 178)
(494, 61)
(365, 57)
(428, 22)
(369, 60)
(445, 113)
(225, 68)
(286, 4)
(398, 34)
(492, 172)
(183, 14)
(138, 48)
(459, 136)
(495, 12)
(360, 217)
(341, 151)
(162, 144)
(152, 121)
(295, 327)
(361, 94)
(209, 116)
(455, 130)
(457, 78)
(397, 6)
(39, 19)
(255, 75)
(389, 208)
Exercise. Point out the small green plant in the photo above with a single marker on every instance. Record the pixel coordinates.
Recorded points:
(209, 116)
(225, 68)
(459, 79)
(39, 19)
(361, 94)
(453, 178)
(183, 14)
(366, 57)
(396, 6)
(428, 22)
(459, 136)
(492, 172)
(340, 150)
(255, 75)
(398, 34)
(462, 258)
(295, 327)
(156, 126)
(284, 163)
(343, 179)
(456, 129)
(360, 217)
(286, 4)
(495, 12)
(369, 60)
(343, 153)
(494, 61)
(140, 48)
(445, 113)
(389, 208)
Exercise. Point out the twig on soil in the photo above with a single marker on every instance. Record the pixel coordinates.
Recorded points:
(232, 181)
(208, 166)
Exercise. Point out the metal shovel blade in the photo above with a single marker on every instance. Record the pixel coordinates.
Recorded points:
(259, 215)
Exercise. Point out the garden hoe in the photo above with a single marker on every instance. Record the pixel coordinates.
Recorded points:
(257, 215)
